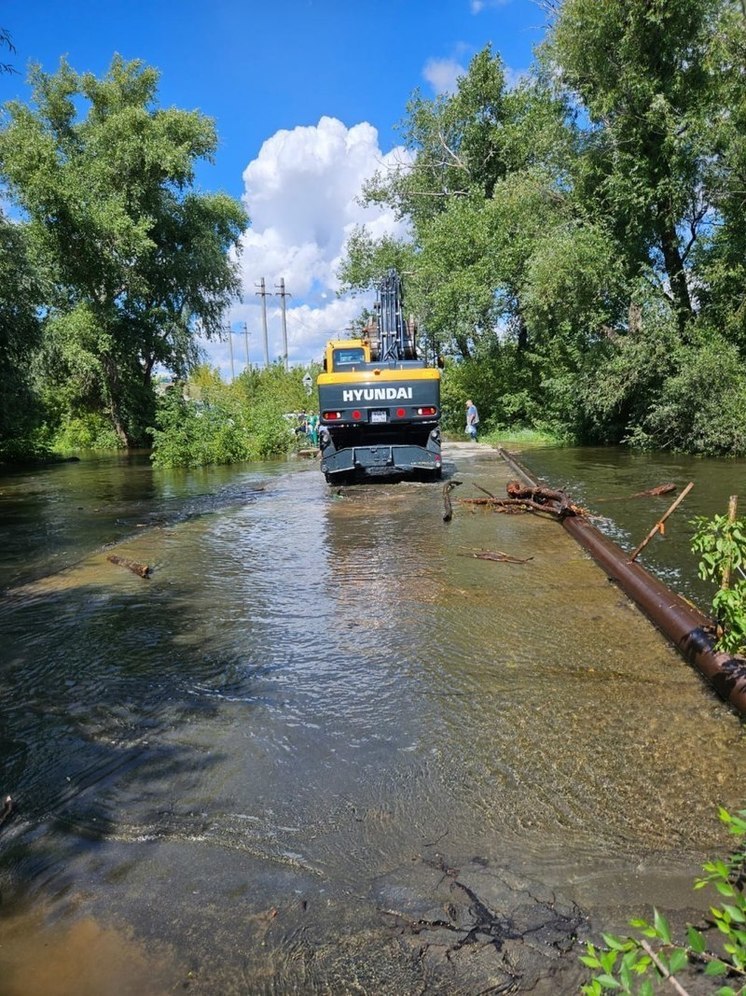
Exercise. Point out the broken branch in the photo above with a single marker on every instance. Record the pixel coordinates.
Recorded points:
(525, 499)
(659, 526)
(447, 506)
(499, 556)
(142, 570)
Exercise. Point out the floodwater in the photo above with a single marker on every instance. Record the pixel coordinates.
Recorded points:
(323, 748)
(606, 480)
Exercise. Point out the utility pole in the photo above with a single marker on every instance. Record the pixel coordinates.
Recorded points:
(282, 294)
(230, 347)
(246, 343)
(262, 293)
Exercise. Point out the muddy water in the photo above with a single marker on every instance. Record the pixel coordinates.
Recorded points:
(326, 749)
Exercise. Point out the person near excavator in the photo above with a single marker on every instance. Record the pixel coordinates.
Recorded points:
(472, 420)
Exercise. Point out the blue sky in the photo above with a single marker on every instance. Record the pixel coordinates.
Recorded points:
(306, 95)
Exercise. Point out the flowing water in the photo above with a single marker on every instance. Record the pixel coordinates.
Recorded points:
(605, 480)
(325, 749)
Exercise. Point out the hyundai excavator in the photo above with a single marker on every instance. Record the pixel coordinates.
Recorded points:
(379, 404)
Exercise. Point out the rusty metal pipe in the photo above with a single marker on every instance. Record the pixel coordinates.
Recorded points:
(680, 622)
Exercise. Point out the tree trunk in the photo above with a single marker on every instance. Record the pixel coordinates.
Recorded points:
(463, 346)
(677, 277)
(522, 334)
(112, 390)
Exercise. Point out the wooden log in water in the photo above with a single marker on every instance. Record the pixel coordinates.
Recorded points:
(500, 557)
(447, 505)
(558, 501)
(522, 499)
(142, 570)
(661, 489)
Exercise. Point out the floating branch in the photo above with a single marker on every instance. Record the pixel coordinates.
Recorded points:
(499, 556)
(660, 489)
(447, 506)
(142, 570)
(659, 527)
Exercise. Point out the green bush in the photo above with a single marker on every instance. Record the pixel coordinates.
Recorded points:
(199, 433)
(721, 544)
(701, 408)
(632, 965)
(217, 423)
(90, 431)
(499, 383)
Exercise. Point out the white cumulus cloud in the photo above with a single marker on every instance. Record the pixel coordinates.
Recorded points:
(301, 193)
(443, 74)
(477, 6)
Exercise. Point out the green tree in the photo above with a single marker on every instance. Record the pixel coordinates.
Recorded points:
(137, 260)
(20, 295)
(721, 255)
(582, 235)
(469, 152)
(505, 266)
(639, 69)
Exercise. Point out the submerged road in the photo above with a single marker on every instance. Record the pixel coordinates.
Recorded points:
(324, 748)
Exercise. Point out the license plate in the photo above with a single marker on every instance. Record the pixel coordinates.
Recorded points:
(378, 416)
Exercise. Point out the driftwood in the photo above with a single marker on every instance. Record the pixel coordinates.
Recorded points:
(659, 527)
(660, 489)
(527, 499)
(142, 570)
(499, 556)
(447, 506)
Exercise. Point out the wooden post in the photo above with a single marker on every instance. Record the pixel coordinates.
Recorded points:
(732, 513)
(658, 527)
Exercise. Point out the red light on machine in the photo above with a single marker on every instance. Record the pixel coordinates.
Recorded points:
(401, 412)
(330, 416)
(426, 411)
(356, 414)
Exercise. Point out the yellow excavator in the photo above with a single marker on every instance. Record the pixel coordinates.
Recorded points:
(379, 404)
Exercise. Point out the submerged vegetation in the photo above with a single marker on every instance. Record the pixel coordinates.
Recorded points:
(576, 247)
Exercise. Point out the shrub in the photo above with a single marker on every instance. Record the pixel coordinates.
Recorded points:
(721, 544)
(219, 423)
(631, 965)
(89, 431)
(701, 408)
